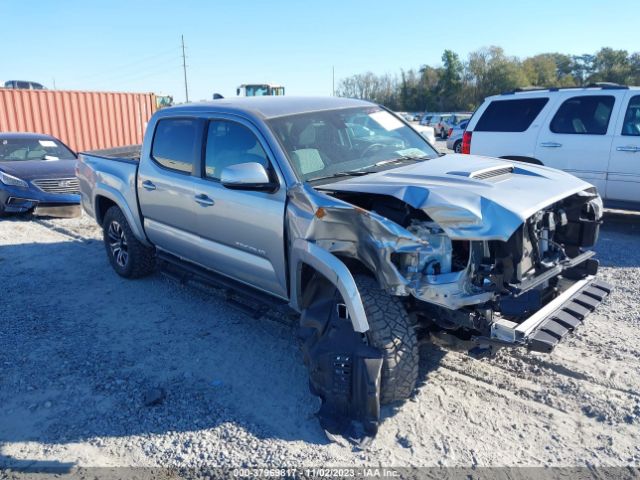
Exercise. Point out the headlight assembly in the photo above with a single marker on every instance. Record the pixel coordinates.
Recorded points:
(12, 181)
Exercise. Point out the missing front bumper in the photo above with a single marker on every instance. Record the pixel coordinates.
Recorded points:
(543, 330)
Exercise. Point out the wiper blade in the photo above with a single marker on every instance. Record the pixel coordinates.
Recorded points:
(348, 173)
(403, 158)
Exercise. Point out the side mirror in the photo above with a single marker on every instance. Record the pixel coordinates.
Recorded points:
(247, 176)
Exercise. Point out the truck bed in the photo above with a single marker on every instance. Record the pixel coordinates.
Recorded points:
(128, 153)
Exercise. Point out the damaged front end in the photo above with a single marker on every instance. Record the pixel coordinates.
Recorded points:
(473, 258)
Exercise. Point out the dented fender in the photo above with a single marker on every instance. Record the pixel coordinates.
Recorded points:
(331, 267)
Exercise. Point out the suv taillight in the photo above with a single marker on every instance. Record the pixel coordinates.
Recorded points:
(450, 132)
(466, 143)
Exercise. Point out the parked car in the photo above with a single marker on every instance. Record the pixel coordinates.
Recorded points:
(37, 174)
(451, 122)
(426, 119)
(426, 132)
(280, 200)
(23, 84)
(454, 137)
(593, 133)
(437, 121)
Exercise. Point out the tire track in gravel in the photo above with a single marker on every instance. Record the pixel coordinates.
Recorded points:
(591, 399)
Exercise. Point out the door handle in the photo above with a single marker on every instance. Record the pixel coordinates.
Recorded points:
(204, 200)
(148, 185)
(628, 148)
(551, 144)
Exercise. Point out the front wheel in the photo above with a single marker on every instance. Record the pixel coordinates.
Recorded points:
(127, 255)
(392, 332)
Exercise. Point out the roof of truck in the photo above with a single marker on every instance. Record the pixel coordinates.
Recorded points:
(270, 107)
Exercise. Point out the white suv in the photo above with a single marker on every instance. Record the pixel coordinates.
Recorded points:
(592, 132)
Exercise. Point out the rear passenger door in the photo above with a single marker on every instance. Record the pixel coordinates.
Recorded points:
(241, 231)
(623, 178)
(165, 185)
(578, 137)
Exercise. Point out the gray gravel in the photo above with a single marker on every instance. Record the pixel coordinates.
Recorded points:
(99, 371)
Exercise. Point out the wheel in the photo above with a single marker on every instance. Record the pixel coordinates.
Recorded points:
(128, 257)
(457, 147)
(393, 333)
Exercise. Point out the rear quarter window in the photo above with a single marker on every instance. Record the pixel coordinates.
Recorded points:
(510, 115)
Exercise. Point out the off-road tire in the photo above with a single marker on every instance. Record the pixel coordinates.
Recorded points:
(393, 333)
(141, 260)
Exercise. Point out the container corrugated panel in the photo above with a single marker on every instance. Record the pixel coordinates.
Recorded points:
(82, 120)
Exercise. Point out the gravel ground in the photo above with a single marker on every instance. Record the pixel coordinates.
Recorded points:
(96, 370)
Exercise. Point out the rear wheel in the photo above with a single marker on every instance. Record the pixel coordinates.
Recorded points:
(457, 147)
(127, 255)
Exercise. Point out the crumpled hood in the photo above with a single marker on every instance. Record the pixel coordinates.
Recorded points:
(32, 169)
(471, 197)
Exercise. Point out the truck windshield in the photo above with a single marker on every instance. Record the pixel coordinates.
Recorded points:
(20, 149)
(332, 143)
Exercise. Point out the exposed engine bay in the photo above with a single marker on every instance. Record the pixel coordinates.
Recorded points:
(485, 278)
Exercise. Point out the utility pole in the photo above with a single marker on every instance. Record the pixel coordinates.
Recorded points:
(184, 67)
(333, 80)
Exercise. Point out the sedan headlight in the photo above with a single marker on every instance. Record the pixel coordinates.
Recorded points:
(13, 181)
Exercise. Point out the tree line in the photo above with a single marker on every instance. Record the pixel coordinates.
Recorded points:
(463, 84)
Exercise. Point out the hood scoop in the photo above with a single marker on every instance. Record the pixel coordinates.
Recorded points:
(486, 173)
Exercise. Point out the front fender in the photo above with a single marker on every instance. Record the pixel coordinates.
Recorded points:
(331, 267)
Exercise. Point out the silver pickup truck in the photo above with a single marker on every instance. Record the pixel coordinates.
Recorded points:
(341, 210)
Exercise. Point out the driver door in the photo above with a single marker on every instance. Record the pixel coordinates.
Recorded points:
(241, 231)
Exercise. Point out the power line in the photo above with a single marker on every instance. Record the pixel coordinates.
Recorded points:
(114, 70)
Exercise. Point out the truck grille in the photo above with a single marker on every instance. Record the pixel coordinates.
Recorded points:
(58, 185)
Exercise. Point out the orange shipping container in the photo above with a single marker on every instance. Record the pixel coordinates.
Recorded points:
(82, 120)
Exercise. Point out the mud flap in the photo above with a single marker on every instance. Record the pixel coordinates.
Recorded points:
(343, 370)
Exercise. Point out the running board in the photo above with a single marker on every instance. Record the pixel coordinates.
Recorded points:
(543, 330)
(183, 272)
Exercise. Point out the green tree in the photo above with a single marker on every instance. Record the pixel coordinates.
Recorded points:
(541, 70)
(611, 66)
(450, 81)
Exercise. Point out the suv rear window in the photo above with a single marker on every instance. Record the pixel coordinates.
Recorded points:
(173, 144)
(510, 115)
(585, 115)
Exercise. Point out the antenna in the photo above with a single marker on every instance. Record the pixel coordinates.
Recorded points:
(184, 67)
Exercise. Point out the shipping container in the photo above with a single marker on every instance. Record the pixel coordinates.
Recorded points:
(82, 120)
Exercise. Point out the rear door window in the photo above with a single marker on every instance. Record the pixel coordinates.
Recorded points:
(631, 124)
(174, 144)
(584, 115)
(510, 115)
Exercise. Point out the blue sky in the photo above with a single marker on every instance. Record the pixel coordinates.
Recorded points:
(134, 45)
